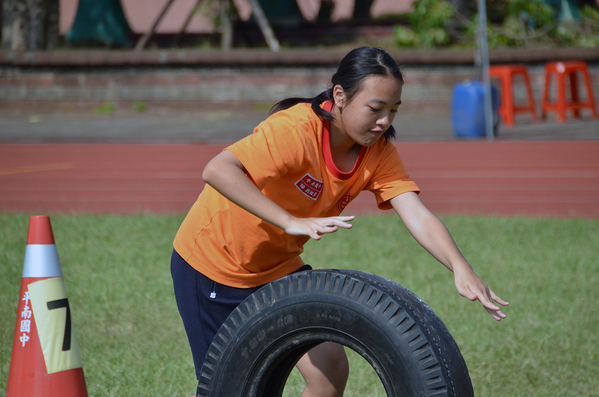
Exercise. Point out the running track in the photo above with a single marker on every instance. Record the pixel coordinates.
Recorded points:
(555, 179)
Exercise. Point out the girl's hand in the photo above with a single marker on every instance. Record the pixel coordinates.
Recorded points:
(432, 234)
(472, 287)
(315, 227)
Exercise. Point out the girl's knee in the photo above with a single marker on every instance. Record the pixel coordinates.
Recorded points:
(338, 366)
(325, 369)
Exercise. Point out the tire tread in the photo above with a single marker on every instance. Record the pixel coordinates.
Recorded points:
(428, 343)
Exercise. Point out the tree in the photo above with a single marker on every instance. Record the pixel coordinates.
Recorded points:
(362, 10)
(30, 24)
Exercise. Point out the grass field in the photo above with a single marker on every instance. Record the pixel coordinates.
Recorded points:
(116, 270)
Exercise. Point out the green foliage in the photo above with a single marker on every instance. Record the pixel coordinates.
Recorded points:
(107, 108)
(525, 22)
(530, 23)
(584, 34)
(404, 37)
(430, 14)
(515, 23)
(139, 107)
(116, 271)
(533, 13)
(214, 10)
(429, 22)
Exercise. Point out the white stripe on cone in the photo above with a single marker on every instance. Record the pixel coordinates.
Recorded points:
(41, 260)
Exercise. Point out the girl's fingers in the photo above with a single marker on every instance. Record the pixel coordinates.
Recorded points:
(496, 314)
(492, 309)
(328, 229)
(340, 221)
(487, 298)
(316, 227)
(498, 299)
(331, 225)
(489, 305)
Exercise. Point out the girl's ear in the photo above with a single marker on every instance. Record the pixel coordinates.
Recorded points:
(339, 96)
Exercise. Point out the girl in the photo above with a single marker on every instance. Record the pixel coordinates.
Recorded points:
(288, 182)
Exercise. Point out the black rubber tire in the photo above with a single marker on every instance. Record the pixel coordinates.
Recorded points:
(405, 342)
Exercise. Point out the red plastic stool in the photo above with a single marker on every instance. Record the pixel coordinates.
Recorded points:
(561, 105)
(508, 108)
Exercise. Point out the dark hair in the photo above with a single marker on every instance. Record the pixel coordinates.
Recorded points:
(356, 66)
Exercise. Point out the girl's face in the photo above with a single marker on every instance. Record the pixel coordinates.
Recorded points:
(366, 117)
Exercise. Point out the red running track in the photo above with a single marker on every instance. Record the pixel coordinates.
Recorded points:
(555, 179)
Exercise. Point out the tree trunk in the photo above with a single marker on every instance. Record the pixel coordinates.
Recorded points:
(267, 32)
(463, 9)
(37, 24)
(226, 39)
(52, 24)
(17, 26)
(325, 11)
(6, 25)
(362, 10)
(30, 24)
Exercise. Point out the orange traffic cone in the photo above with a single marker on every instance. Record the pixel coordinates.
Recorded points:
(45, 355)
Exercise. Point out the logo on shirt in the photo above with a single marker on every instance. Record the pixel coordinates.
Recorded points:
(310, 186)
(344, 202)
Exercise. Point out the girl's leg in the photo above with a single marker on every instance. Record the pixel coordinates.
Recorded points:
(188, 290)
(204, 306)
(325, 369)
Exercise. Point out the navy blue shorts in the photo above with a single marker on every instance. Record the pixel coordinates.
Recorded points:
(204, 305)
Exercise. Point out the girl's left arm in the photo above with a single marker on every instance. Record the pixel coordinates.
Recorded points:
(432, 234)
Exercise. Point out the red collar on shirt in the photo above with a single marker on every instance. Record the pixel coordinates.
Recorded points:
(326, 149)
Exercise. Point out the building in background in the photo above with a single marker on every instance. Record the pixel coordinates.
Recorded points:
(141, 13)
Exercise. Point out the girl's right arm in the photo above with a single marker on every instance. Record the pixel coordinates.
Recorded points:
(227, 175)
(432, 234)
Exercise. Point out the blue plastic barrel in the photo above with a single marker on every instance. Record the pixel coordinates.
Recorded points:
(468, 109)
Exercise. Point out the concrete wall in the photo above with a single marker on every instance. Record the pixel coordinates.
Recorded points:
(229, 84)
(222, 84)
(243, 76)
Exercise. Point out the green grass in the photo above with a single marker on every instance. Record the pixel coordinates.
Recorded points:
(132, 341)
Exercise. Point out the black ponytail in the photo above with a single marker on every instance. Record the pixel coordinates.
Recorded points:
(315, 104)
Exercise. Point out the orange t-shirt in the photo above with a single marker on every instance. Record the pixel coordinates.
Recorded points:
(288, 157)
